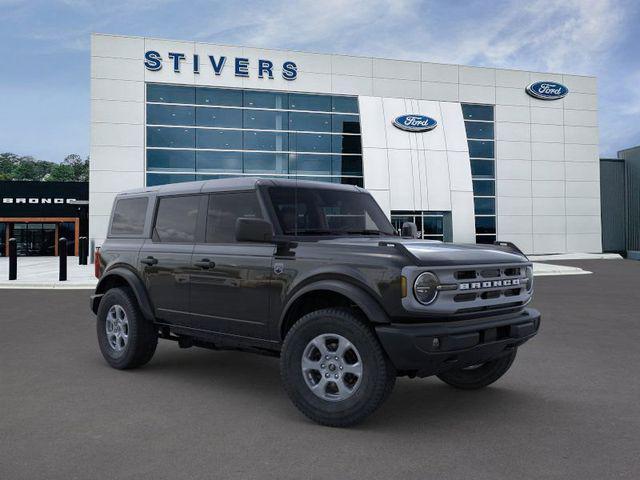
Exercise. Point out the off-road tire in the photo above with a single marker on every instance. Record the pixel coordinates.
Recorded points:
(481, 376)
(142, 334)
(378, 376)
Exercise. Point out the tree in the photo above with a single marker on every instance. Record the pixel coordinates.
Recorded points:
(79, 167)
(61, 173)
(16, 167)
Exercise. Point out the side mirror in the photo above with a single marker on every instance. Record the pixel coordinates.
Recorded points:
(409, 230)
(253, 230)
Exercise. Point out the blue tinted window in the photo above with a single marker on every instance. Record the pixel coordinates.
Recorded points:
(485, 239)
(258, 99)
(164, 178)
(223, 139)
(347, 144)
(265, 141)
(219, 117)
(479, 129)
(484, 188)
(169, 115)
(205, 176)
(219, 161)
(485, 224)
(170, 137)
(171, 159)
(482, 168)
(260, 162)
(170, 94)
(316, 103)
(319, 179)
(219, 97)
(311, 142)
(310, 122)
(346, 165)
(477, 112)
(310, 164)
(432, 225)
(345, 124)
(485, 206)
(481, 149)
(265, 120)
(345, 104)
(357, 181)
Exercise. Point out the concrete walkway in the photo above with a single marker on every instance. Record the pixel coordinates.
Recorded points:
(42, 272)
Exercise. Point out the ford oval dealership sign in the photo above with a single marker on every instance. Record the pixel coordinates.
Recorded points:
(547, 90)
(415, 123)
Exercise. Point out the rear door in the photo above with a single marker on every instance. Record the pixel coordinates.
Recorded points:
(230, 290)
(165, 259)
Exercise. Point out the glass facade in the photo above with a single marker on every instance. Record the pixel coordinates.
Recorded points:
(199, 133)
(480, 127)
(431, 225)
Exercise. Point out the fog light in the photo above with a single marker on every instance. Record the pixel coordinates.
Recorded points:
(436, 342)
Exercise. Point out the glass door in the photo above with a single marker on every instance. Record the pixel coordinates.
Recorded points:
(35, 239)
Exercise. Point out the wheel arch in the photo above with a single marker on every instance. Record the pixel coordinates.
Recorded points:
(123, 277)
(330, 293)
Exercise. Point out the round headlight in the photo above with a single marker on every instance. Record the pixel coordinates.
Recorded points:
(529, 273)
(425, 288)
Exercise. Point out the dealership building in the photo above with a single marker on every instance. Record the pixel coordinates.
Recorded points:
(469, 154)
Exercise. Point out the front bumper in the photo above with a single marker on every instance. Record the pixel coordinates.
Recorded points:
(430, 348)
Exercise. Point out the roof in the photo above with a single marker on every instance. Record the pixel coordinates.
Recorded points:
(236, 183)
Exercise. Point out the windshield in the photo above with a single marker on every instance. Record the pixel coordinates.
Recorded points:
(316, 211)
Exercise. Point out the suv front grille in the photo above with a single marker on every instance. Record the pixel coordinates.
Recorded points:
(479, 288)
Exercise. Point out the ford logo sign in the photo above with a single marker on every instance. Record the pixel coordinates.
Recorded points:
(547, 90)
(415, 123)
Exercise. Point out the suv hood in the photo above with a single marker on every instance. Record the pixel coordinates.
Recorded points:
(437, 253)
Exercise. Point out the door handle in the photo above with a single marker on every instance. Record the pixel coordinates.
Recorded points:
(205, 263)
(149, 261)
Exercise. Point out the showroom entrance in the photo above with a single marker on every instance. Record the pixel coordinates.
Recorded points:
(38, 214)
(39, 237)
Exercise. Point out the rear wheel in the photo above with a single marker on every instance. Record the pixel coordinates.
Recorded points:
(479, 376)
(126, 338)
(334, 369)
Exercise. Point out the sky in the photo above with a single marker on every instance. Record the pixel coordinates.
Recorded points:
(44, 77)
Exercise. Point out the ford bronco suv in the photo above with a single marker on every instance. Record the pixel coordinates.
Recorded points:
(313, 273)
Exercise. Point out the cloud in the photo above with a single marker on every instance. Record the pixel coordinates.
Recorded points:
(596, 37)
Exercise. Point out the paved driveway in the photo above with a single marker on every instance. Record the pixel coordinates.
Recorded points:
(569, 408)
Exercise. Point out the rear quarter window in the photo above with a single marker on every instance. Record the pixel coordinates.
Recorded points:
(128, 216)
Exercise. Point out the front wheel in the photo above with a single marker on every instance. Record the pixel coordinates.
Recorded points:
(334, 369)
(479, 376)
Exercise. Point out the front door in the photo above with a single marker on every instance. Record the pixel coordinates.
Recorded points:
(230, 290)
(165, 260)
(35, 239)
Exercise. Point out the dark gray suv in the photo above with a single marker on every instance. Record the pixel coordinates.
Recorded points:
(314, 273)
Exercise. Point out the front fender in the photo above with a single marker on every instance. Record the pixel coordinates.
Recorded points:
(115, 277)
(364, 300)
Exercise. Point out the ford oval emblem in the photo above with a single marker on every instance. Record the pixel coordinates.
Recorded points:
(415, 123)
(547, 90)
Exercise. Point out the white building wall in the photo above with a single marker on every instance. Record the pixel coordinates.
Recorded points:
(547, 196)
(414, 171)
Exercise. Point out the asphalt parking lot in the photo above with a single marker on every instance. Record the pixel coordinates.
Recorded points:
(569, 408)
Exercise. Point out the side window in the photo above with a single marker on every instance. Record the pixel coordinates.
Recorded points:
(225, 209)
(176, 219)
(128, 216)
